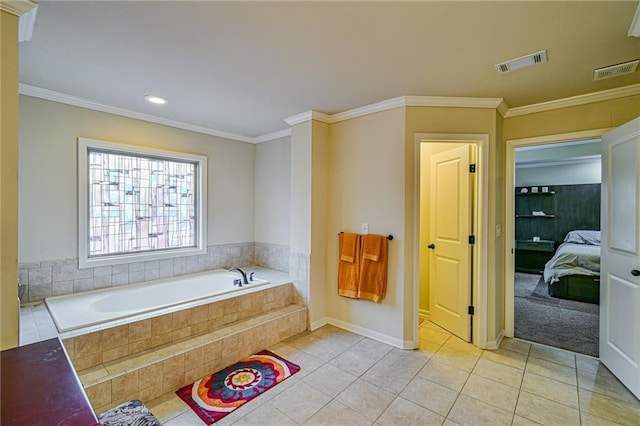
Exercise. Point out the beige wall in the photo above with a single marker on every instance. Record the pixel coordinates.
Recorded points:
(597, 115)
(9, 185)
(466, 121)
(367, 184)
(48, 174)
(273, 192)
(301, 188)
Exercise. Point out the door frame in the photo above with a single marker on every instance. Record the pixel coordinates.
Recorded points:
(480, 213)
(509, 213)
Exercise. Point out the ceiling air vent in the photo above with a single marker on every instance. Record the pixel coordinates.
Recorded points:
(522, 62)
(615, 70)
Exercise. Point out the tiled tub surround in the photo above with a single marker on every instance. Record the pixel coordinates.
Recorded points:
(60, 277)
(272, 256)
(82, 310)
(148, 358)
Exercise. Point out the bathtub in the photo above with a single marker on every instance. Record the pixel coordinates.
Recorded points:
(80, 310)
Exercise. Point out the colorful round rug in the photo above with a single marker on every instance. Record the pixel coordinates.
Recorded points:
(218, 394)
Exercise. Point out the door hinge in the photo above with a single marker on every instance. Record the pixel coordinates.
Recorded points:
(471, 310)
(472, 239)
(472, 168)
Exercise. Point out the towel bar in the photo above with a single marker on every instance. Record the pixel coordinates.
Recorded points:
(389, 237)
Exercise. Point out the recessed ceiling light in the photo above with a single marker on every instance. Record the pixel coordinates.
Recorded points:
(156, 99)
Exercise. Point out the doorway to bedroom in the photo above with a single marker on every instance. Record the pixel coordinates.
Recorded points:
(557, 244)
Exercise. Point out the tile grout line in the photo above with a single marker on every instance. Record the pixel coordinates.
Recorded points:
(524, 371)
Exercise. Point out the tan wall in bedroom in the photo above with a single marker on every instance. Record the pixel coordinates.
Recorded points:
(366, 168)
(465, 121)
(9, 318)
(48, 174)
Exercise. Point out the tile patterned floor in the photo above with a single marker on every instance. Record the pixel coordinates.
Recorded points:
(347, 379)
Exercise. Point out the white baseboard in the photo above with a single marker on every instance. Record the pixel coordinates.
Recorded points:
(402, 344)
(319, 323)
(495, 344)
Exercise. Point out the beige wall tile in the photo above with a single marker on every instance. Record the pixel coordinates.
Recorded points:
(172, 383)
(180, 334)
(193, 374)
(161, 339)
(125, 387)
(199, 314)
(147, 394)
(194, 358)
(99, 394)
(139, 346)
(87, 361)
(173, 366)
(181, 319)
(215, 311)
(150, 376)
(212, 352)
(69, 345)
(92, 375)
(115, 353)
(114, 337)
(88, 344)
(139, 330)
(161, 325)
(199, 328)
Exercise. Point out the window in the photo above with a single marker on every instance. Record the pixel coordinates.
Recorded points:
(139, 204)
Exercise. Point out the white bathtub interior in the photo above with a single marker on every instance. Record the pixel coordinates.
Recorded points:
(80, 310)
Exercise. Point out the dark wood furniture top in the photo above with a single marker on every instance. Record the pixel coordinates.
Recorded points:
(40, 387)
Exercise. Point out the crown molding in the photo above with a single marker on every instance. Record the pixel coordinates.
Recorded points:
(604, 95)
(272, 136)
(452, 102)
(308, 116)
(369, 109)
(400, 101)
(17, 7)
(51, 95)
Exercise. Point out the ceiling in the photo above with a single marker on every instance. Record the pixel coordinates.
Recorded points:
(242, 67)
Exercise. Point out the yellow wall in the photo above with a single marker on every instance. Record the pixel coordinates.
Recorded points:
(470, 121)
(596, 115)
(9, 185)
(319, 197)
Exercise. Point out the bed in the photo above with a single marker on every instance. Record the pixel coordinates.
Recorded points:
(574, 270)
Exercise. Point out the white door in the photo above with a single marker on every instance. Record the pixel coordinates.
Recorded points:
(620, 270)
(449, 230)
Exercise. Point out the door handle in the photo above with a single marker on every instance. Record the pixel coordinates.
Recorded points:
(433, 246)
(635, 272)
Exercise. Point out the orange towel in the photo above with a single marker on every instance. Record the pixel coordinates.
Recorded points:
(348, 245)
(371, 247)
(348, 271)
(373, 274)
